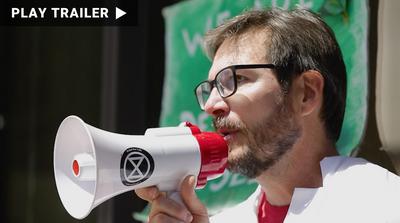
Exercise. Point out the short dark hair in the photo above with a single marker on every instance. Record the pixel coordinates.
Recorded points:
(297, 41)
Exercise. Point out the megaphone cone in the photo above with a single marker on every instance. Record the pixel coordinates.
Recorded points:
(92, 165)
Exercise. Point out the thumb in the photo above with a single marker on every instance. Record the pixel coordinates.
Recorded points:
(197, 208)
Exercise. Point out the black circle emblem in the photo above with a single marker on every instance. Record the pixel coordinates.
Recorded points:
(137, 165)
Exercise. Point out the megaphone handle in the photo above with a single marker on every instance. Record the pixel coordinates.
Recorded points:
(176, 196)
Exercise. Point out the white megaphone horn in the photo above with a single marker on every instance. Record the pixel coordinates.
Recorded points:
(92, 165)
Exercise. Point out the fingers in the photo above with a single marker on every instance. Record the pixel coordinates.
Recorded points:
(192, 202)
(162, 208)
(148, 193)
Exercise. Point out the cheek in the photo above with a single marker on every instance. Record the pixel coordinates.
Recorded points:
(256, 103)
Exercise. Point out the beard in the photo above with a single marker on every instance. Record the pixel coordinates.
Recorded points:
(265, 142)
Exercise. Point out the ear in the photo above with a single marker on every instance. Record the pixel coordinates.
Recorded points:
(307, 89)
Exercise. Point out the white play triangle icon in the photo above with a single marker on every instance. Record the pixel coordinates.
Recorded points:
(119, 13)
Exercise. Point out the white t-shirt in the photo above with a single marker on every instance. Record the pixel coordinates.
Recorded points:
(354, 190)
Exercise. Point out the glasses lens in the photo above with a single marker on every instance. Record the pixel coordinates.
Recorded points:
(226, 82)
(203, 92)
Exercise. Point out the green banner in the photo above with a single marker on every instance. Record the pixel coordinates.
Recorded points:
(186, 66)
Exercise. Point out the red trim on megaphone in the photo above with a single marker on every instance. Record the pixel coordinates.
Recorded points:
(193, 128)
(214, 155)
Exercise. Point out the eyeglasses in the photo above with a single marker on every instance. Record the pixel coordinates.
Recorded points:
(225, 81)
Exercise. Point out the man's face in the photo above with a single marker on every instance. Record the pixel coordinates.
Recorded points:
(258, 121)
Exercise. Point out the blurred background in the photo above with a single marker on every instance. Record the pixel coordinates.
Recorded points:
(112, 77)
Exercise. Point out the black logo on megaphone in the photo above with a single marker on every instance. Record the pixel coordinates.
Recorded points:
(137, 165)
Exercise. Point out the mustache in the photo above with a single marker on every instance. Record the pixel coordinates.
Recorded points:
(223, 122)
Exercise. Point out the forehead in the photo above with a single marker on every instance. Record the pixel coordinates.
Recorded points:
(247, 48)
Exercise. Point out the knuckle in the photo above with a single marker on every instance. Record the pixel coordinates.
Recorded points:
(162, 218)
(157, 202)
(163, 207)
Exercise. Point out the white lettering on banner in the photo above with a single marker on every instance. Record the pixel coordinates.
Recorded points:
(306, 4)
(257, 4)
(235, 180)
(222, 17)
(187, 116)
(230, 180)
(286, 5)
(251, 181)
(208, 24)
(191, 45)
(218, 186)
(202, 118)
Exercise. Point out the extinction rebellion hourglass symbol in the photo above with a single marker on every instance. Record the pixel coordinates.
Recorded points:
(137, 165)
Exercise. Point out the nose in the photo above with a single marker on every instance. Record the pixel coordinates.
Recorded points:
(216, 105)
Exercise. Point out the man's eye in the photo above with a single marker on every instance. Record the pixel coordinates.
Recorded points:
(240, 78)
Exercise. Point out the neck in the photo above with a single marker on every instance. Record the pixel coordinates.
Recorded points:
(299, 168)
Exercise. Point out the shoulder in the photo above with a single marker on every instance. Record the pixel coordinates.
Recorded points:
(354, 190)
(357, 171)
(360, 190)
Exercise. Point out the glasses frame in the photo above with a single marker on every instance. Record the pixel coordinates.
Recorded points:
(233, 68)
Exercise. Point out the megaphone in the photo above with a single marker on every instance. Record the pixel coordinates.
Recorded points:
(92, 165)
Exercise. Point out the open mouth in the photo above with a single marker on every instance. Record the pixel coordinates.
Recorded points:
(226, 133)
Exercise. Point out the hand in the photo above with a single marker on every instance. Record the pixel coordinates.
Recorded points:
(164, 209)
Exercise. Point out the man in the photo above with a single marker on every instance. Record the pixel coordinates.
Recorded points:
(277, 92)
